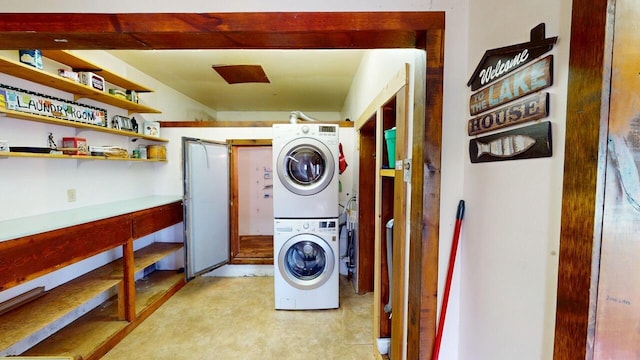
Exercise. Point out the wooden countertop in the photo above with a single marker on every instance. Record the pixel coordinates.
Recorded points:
(29, 225)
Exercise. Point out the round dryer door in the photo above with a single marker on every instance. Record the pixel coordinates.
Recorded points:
(306, 261)
(305, 166)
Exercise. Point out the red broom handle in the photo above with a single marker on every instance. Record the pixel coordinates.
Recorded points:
(447, 287)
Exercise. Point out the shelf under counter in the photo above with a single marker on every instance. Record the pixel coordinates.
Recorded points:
(19, 323)
(143, 258)
(100, 326)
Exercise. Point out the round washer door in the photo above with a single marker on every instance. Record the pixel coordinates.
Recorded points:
(305, 166)
(306, 261)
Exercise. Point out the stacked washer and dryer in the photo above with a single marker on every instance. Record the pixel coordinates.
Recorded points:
(305, 208)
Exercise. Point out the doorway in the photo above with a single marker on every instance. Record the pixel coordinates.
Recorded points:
(283, 30)
(251, 202)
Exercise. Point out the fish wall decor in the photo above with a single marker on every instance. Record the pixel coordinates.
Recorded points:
(527, 142)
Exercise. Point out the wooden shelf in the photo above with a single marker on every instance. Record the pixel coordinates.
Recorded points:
(79, 339)
(19, 323)
(388, 172)
(18, 69)
(54, 121)
(153, 253)
(144, 257)
(89, 329)
(78, 64)
(44, 357)
(77, 157)
(99, 326)
(158, 284)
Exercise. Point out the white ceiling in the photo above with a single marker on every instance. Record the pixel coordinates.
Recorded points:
(305, 80)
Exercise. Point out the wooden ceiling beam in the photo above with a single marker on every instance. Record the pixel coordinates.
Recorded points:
(358, 30)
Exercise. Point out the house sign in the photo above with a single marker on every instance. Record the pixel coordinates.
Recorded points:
(498, 62)
(531, 108)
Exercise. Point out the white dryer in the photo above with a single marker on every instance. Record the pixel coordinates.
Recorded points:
(306, 269)
(305, 162)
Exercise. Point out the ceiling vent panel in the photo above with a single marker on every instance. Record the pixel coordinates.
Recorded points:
(238, 74)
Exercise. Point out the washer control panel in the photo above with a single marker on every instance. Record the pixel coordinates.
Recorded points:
(327, 226)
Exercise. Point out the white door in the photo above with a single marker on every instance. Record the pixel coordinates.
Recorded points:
(206, 199)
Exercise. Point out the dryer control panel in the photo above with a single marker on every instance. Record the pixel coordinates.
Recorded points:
(324, 131)
(326, 226)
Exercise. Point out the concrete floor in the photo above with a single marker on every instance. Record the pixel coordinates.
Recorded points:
(234, 318)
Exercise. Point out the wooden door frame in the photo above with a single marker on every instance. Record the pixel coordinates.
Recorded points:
(288, 30)
(584, 169)
(388, 109)
(234, 213)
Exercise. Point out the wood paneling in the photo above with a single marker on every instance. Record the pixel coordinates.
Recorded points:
(398, 295)
(254, 249)
(365, 252)
(29, 257)
(425, 202)
(587, 97)
(151, 220)
(217, 30)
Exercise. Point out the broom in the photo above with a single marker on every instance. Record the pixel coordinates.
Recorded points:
(447, 287)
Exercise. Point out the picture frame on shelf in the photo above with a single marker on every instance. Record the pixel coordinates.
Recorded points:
(152, 128)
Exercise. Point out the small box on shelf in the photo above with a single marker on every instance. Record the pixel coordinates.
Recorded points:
(151, 128)
(71, 75)
(118, 93)
(32, 57)
(74, 146)
(93, 80)
(156, 152)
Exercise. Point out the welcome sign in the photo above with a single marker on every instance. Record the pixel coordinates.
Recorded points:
(499, 62)
(525, 81)
(30, 102)
(509, 81)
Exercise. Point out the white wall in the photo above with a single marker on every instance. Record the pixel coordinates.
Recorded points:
(34, 186)
(274, 115)
(509, 247)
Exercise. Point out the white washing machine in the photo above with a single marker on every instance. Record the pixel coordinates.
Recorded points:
(305, 162)
(306, 269)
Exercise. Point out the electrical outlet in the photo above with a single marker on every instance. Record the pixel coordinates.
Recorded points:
(71, 195)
